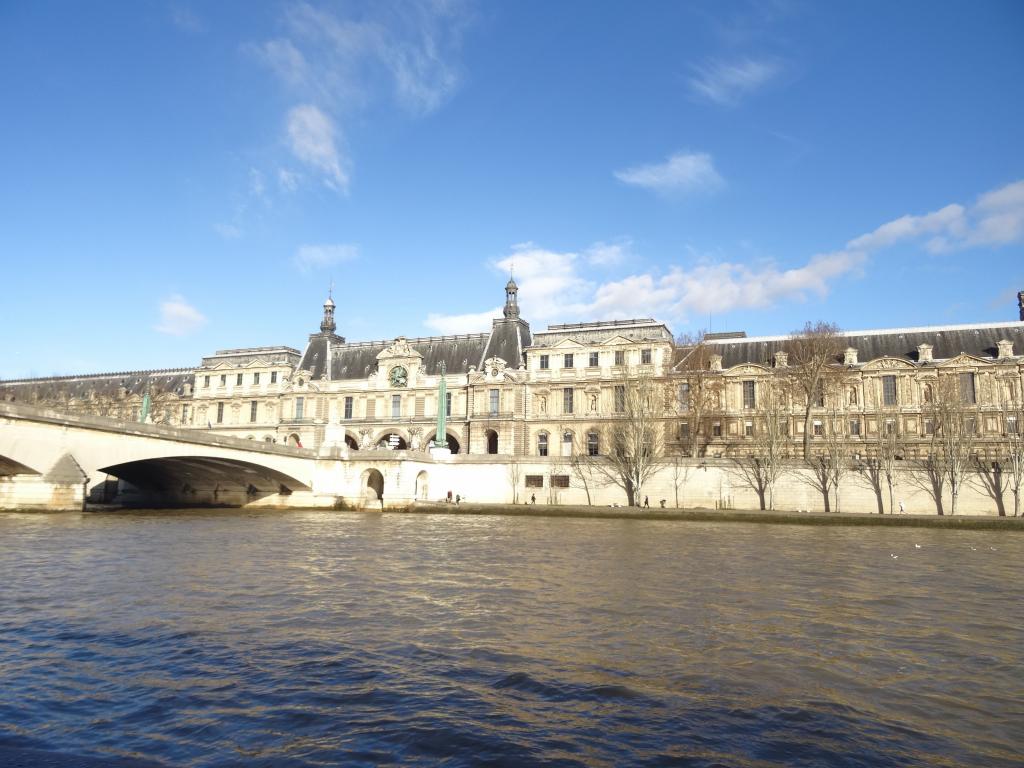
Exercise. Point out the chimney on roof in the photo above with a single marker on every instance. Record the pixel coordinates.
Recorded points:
(1005, 349)
(781, 359)
(716, 362)
(924, 353)
(850, 356)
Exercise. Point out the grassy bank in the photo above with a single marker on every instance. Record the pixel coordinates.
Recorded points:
(721, 516)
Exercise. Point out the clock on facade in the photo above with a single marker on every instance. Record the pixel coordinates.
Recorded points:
(398, 376)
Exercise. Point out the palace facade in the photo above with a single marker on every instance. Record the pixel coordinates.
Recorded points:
(553, 393)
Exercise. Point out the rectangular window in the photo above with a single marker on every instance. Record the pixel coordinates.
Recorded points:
(567, 361)
(238, 380)
(348, 407)
(592, 444)
(645, 357)
(223, 379)
(929, 427)
(300, 406)
(889, 390)
(890, 426)
(620, 357)
(748, 429)
(684, 430)
(967, 392)
(594, 357)
(970, 425)
(535, 481)
(1011, 425)
(396, 406)
(542, 444)
(716, 429)
(748, 395)
(559, 481)
(206, 381)
(252, 410)
(567, 400)
(620, 398)
(184, 414)
(854, 427)
(495, 399)
(447, 403)
(220, 413)
(256, 378)
(273, 377)
(684, 396)
(819, 429)
(544, 362)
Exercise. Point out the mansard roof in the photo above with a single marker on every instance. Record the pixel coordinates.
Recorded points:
(357, 360)
(948, 341)
(640, 329)
(99, 385)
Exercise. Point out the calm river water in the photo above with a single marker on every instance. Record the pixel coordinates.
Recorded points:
(324, 638)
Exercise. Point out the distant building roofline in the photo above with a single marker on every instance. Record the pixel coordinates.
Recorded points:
(253, 351)
(880, 332)
(602, 324)
(86, 376)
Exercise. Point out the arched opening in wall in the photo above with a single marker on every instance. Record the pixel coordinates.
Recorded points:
(268, 438)
(422, 488)
(373, 485)
(453, 444)
(294, 440)
(492, 441)
(351, 443)
(393, 441)
(567, 439)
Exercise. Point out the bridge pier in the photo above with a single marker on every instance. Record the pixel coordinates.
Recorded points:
(37, 493)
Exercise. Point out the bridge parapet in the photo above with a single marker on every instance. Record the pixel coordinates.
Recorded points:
(104, 424)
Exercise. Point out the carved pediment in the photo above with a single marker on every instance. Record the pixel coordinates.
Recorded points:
(399, 348)
(887, 363)
(617, 341)
(964, 359)
(747, 369)
(568, 344)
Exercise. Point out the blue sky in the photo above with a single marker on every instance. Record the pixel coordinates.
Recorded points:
(181, 177)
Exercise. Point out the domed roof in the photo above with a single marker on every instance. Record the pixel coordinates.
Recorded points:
(511, 284)
(329, 302)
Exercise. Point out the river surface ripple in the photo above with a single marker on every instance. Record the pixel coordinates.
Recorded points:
(324, 638)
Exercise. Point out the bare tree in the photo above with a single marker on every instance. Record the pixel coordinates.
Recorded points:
(951, 426)
(814, 353)
(681, 467)
(880, 466)
(583, 468)
(698, 390)
(989, 476)
(1011, 414)
(514, 473)
(766, 459)
(634, 439)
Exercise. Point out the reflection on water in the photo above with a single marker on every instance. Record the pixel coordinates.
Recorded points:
(321, 638)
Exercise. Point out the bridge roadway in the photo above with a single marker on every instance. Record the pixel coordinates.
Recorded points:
(56, 461)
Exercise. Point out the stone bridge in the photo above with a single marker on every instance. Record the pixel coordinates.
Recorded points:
(56, 461)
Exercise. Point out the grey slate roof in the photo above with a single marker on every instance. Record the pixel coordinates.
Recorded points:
(100, 385)
(947, 341)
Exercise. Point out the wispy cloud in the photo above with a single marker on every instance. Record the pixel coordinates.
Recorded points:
(310, 257)
(227, 231)
(178, 317)
(996, 219)
(681, 171)
(336, 61)
(603, 254)
(312, 138)
(469, 323)
(727, 82)
(554, 285)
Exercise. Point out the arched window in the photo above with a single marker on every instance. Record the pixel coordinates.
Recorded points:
(542, 444)
(592, 444)
(492, 441)
(567, 443)
(926, 393)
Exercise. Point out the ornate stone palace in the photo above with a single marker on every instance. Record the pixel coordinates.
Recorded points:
(513, 392)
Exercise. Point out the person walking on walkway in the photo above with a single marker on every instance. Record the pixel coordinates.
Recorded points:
(647, 504)
(533, 498)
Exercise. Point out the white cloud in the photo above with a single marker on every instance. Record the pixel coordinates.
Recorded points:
(228, 231)
(256, 186)
(288, 180)
(312, 139)
(552, 284)
(608, 254)
(310, 257)
(470, 323)
(727, 82)
(682, 171)
(996, 219)
(178, 317)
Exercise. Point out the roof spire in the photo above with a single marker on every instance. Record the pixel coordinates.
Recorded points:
(511, 310)
(327, 324)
